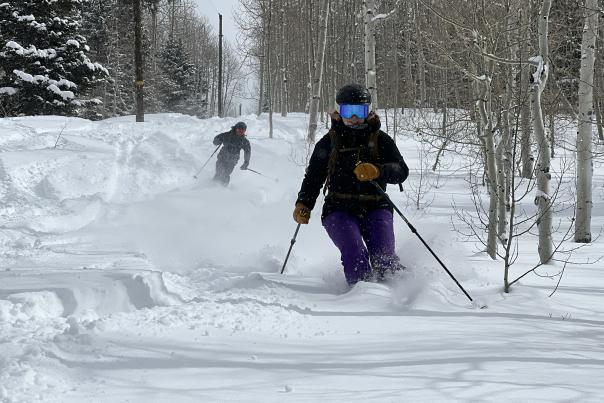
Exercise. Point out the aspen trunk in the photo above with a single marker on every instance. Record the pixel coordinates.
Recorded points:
(284, 93)
(584, 135)
(526, 155)
(504, 153)
(318, 74)
(269, 83)
(491, 164)
(370, 68)
(543, 198)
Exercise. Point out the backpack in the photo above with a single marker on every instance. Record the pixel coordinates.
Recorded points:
(336, 149)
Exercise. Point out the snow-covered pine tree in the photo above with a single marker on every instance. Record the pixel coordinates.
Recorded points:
(177, 84)
(44, 58)
(97, 29)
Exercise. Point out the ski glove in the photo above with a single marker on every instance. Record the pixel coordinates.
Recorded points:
(366, 172)
(301, 213)
(243, 167)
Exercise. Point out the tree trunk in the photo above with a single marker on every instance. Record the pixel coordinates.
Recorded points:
(284, 94)
(262, 68)
(543, 198)
(599, 88)
(526, 154)
(599, 103)
(318, 74)
(491, 164)
(599, 98)
(443, 128)
(370, 67)
(409, 81)
(269, 84)
(508, 133)
(220, 73)
(396, 83)
(212, 103)
(584, 136)
(138, 61)
(172, 17)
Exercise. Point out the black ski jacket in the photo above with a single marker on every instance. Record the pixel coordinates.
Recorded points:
(345, 191)
(232, 143)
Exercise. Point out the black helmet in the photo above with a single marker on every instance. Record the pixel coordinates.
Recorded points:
(353, 94)
(240, 125)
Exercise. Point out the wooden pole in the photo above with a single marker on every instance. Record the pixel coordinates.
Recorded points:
(220, 65)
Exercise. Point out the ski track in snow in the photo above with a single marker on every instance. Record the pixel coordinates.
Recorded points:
(124, 279)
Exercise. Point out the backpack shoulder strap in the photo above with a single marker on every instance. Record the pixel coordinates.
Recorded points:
(374, 152)
(333, 156)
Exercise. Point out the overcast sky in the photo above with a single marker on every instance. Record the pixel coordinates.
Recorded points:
(211, 8)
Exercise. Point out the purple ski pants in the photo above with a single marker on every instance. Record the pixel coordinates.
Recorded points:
(365, 243)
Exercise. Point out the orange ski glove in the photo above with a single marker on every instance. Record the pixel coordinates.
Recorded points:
(301, 213)
(366, 171)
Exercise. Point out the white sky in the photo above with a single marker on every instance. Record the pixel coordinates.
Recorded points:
(211, 8)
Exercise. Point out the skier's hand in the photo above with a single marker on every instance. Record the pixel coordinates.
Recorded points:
(243, 167)
(366, 171)
(301, 213)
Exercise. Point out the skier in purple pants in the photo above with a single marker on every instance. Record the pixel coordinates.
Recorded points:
(356, 216)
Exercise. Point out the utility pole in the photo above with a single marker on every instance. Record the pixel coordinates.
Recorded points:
(138, 61)
(220, 65)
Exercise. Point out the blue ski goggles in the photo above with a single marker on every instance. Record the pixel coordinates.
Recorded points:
(360, 110)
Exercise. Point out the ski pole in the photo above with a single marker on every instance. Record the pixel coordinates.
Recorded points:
(261, 174)
(206, 163)
(256, 172)
(291, 245)
(412, 228)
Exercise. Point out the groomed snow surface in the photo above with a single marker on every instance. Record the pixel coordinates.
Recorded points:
(124, 279)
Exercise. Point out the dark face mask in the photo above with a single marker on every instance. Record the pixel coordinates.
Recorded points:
(360, 126)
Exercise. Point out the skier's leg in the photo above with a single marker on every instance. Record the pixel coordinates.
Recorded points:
(344, 231)
(229, 165)
(378, 233)
(224, 167)
(221, 176)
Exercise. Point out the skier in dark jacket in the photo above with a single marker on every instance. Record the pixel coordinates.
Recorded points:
(357, 218)
(232, 143)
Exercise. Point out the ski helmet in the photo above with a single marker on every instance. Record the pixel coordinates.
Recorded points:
(240, 125)
(353, 94)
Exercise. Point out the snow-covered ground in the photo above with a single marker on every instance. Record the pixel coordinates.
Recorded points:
(124, 279)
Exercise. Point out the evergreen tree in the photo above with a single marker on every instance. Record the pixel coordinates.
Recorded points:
(107, 25)
(178, 81)
(44, 58)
